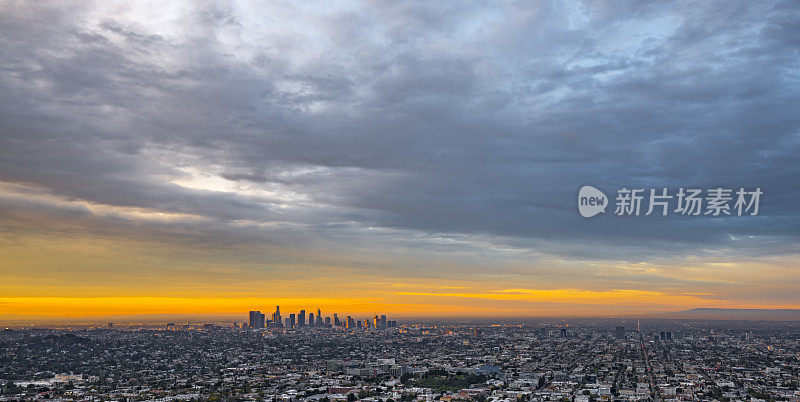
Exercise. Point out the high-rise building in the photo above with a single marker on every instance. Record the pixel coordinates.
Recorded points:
(350, 323)
(256, 320)
(359, 324)
(319, 318)
(311, 321)
(383, 322)
(376, 322)
(276, 317)
(336, 322)
(327, 321)
(110, 325)
(292, 320)
(301, 319)
(620, 332)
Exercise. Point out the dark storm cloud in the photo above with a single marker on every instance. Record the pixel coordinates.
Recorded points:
(470, 120)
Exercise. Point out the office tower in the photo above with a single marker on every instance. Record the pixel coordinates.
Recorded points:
(110, 325)
(301, 319)
(564, 332)
(350, 323)
(376, 321)
(327, 321)
(336, 322)
(359, 324)
(252, 322)
(276, 317)
(663, 336)
(256, 320)
(319, 318)
(620, 332)
(669, 335)
(383, 322)
(311, 321)
(292, 320)
(287, 323)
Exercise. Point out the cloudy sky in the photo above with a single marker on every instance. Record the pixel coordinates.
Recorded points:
(412, 158)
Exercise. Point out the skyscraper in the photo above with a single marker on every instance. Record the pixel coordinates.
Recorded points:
(256, 320)
(350, 323)
(319, 318)
(376, 322)
(311, 321)
(301, 319)
(383, 322)
(620, 332)
(276, 317)
(292, 320)
(336, 322)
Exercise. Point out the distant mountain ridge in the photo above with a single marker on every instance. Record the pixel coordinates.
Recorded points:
(738, 314)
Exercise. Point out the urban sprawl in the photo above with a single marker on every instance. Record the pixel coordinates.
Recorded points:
(316, 358)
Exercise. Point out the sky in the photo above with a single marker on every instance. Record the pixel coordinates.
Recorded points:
(409, 158)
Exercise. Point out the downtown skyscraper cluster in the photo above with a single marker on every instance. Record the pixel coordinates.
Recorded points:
(258, 320)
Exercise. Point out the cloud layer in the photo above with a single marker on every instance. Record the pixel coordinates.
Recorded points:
(405, 138)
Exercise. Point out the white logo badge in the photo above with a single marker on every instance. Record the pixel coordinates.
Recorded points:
(591, 201)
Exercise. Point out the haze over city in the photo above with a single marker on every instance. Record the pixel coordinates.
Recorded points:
(201, 159)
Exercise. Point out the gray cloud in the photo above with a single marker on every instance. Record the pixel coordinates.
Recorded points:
(466, 120)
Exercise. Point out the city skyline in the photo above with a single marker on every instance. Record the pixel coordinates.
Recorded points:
(414, 159)
(259, 320)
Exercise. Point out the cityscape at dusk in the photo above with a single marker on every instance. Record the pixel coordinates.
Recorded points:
(393, 201)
